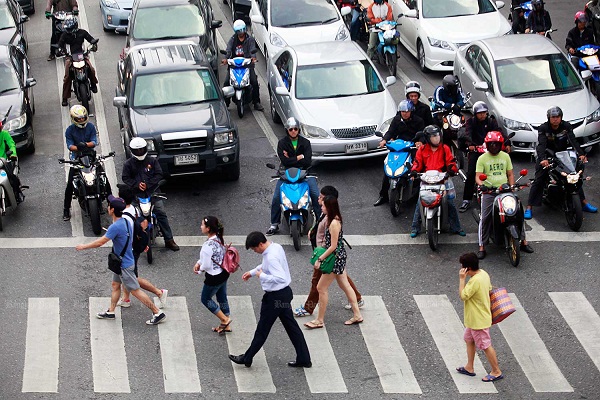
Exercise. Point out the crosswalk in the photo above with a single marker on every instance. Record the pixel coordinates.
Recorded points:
(181, 360)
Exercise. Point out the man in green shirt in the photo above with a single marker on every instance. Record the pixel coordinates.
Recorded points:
(478, 316)
(8, 144)
(497, 165)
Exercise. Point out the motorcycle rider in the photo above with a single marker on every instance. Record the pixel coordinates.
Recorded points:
(412, 91)
(476, 129)
(53, 6)
(142, 173)
(519, 22)
(377, 12)
(538, 20)
(75, 37)
(241, 44)
(8, 143)
(406, 126)
(556, 135)
(592, 10)
(434, 155)
(496, 164)
(294, 151)
(579, 35)
(448, 96)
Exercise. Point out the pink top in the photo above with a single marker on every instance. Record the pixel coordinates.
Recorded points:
(321, 232)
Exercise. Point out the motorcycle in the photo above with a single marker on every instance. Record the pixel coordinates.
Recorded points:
(79, 72)
(452, 128)
(90, 184)
(589, 62)
(527, 6)
(145, 207)
(436, 189)
(295, 201)
(7, 195)
(58, 17)
(387, 49)
(239, 78)
(507, 216)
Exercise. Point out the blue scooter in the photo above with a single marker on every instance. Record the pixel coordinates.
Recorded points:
(388, 41)
(588, 59)
(397, 166)
(527, 6)
(239, 78)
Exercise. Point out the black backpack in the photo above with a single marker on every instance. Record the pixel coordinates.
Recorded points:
(140, 236)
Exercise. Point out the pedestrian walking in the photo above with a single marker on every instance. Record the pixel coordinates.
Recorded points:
(334, 244)
(275, 279)
(215, 279)
(478, 316)
(313, 296)
(120, 234)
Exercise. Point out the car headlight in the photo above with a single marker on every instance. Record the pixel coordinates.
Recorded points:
(303, 201)
(313, 132)
(223, 138)
(516, 125)
(342, 34)
(593, 117)
(442, 44)
(287, 203)
(150, 145)
(383, 128)
(509, 204)
(16, 123)
(276, 40)
(111, 4)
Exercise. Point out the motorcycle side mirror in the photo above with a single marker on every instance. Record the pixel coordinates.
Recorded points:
(111, 154)
(482, 177)
(586, 75)
(272, 166)
(161, 182)
(61, 160)
(281, 91)
(223, 52)
(228, 91)
(345, 11)
(524, 172)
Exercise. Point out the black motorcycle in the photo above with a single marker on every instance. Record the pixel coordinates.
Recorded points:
(90, 184)
(145, 206)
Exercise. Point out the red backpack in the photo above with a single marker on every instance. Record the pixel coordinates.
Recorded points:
(231, 259)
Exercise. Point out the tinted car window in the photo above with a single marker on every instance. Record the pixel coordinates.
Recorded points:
(472, 55)
(168, 22)
(171, 88)
(484, 71)
(8, 79)
(455, 8)
(284, 67)
(6, 18)
(286, 13)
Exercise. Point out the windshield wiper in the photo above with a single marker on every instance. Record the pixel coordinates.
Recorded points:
(301, 24)
(8, 90)
(181, 103)
(533, 93)
(333, 19)
(165, 37)
(6, 27)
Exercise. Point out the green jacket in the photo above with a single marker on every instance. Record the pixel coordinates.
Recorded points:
(6, 143)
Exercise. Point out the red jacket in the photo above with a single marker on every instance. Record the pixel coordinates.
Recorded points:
(441, 160)
(376, 19)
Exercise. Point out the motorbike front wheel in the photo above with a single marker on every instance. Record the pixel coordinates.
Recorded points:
(94, 213)
(513, 248)
(83, 93)
(149, 254)
(395, 202)
(573, 212)
(432, 234)
(240, 108)
(391, 61)
(295, 229)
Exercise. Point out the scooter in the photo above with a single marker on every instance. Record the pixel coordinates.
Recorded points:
(507, 216)
(452, 128)
(527, 6)
(591, 62)
(145, 206)
(433, 196)
(387, 49)
(296, 206)
(239, 78)
(7, 195)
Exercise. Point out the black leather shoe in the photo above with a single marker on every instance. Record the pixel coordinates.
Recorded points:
(240, 360)
(481, 254)
(65, 102)
(526, 248)
(258, 107)
(381, 200)
(299, 365)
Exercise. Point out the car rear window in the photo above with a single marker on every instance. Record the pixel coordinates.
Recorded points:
(170, 22)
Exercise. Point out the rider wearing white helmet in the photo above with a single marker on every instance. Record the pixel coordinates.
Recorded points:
(412, 90)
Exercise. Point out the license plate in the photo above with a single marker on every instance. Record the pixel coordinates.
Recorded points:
(187, 159)
(356, 147)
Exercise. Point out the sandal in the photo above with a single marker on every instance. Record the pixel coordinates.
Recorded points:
(222, 328)
(353, 321)
(314, 324)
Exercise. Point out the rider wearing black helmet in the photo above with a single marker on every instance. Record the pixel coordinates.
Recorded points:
(449, 95)
(538, 20)
(412, 90)
(519, 22)
(556, 135)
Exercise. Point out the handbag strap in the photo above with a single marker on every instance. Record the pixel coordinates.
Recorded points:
(127, 241)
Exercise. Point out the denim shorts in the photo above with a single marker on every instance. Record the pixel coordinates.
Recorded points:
(127, 278)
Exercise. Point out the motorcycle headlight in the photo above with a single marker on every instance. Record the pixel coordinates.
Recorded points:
(383, 128)
(442, 44)
(572, 178)
(303, 201)
(145, 208)
(223, 138)
(287, 203)
(342, 34)
(400, 170)
(593, 117)
(89, 178)
(313, 132)
(246, 79)
(389, 171)
(111, 4)
(516, 125)
(276, 40)
(509, 204)
(16, 123)
(150, 145)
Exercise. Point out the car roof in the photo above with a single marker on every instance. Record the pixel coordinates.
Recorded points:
(513, 46)
(327, 52)
(163, 3)
(167, 56)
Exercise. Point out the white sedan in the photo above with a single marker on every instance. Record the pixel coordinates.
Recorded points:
(432, 30)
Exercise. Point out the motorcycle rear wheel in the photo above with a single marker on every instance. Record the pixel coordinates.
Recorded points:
(295, 229)
(573, 212)
(391, 61)
(94, 213)
(83, 92)
(2, 206)
(395, 202)
(513, 248)
(432, 234)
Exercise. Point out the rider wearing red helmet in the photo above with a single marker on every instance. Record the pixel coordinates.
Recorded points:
(580, 35)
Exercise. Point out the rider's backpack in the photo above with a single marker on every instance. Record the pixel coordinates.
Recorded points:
(140, 236)
(231, 259)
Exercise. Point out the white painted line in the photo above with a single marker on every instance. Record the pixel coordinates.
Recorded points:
(180, 368)
(583, 320)
(109, 362)
(447, 331)
(387, 353)
(256, 379)
(40, 373)
(531, 352)
(325, 375)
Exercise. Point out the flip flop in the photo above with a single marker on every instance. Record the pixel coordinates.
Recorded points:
(314, 325)
(462, 370)
(353, 321)
(492, 378)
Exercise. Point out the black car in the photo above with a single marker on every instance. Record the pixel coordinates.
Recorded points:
(12, 29)
(154, 20)
(240, 9)
(16, 95)
(167, 94)
(28, 6)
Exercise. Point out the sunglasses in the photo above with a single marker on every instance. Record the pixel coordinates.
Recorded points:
(292, 129)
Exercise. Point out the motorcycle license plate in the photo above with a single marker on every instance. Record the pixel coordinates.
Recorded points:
(187, 159)
(356, 147)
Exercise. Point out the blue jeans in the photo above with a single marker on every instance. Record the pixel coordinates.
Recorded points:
(208, 292)
(354, 26)
(313, 190)
(452, 217)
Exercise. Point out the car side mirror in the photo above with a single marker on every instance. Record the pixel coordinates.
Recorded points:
(228, 91)
(499, 4)
(282, 91)
(23, 19)
(121, 31)
(482, 177)
(216, 24)
(345, 10)
(482, 86)
(524, 172)
(411, 14)
(257, 19)
(586, 75)
(30, 82)
(390, 80)
(120, 101)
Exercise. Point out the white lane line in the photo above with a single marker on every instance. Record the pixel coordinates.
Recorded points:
(387, 353)
(531, 352)
(180, 368)
(40, 373)
(109, 362)
(447, 331)
(325, 375)
(256, 379)
(582, 319)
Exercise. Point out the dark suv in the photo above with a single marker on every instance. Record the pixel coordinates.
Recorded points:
(167, 94)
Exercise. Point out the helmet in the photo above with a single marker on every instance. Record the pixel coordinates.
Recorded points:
(79, 116)
(406, 105)
(537, 4)
(138, 147)
(70, 24)
(412, 87)
(554, 112)
(450, 83)
(432, 131)
(239, 26)
(581, 17)
(479, 106)
(494, 136)
(291, 123)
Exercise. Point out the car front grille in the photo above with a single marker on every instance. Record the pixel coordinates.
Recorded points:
(353, 133)
(185, 145)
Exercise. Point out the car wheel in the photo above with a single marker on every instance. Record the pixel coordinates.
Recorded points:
(274, 115)
(232, 171)
(421, 56)
(31, 148)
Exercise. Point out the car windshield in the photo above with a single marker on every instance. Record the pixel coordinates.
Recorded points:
(168, 22)
(536, 75)
(6, 19)
(174, 88)
(288, 13)
(8, 79)
(456, 8)
(337, 80)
